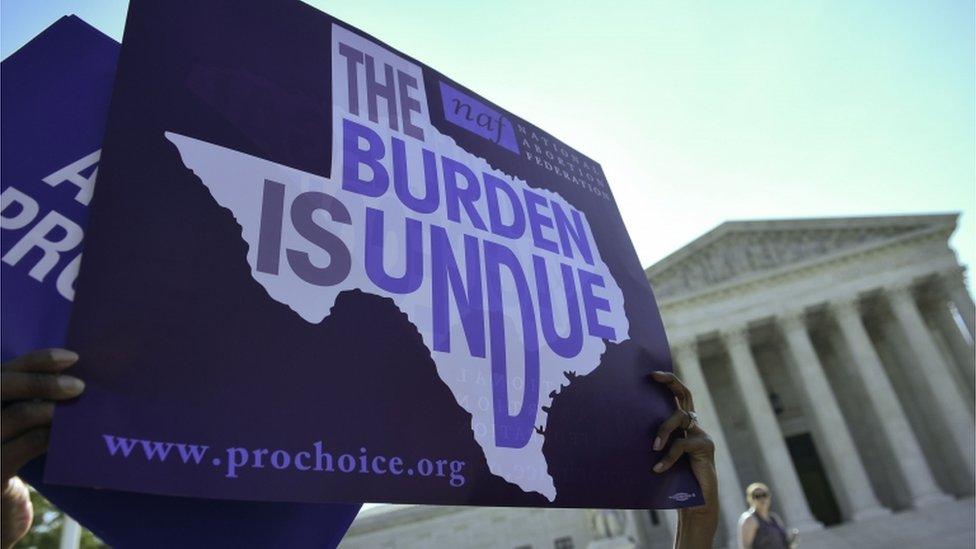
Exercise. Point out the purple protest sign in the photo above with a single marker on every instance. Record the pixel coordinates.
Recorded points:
(314, 274)
(60, 84)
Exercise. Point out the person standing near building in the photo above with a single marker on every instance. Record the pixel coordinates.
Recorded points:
(760, 528)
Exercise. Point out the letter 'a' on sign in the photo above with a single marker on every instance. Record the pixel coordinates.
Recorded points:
(350, 278)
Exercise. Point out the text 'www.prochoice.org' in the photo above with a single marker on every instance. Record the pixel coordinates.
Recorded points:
(237, 460)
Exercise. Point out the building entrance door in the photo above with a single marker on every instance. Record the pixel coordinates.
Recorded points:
(813, 478)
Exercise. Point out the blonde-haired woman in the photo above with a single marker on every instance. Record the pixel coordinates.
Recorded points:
(760, 528)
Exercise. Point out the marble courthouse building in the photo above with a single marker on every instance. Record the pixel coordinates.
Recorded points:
(831, 358)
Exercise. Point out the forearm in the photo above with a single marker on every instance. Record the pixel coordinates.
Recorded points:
(695, 530)
(697, 525)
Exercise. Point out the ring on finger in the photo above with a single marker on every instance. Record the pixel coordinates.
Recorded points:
(692, 419)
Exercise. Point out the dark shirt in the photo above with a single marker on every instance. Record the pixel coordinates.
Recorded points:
(770, 534)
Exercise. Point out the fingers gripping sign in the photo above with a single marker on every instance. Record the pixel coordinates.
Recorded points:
(695, 442)
(29, 385)
(696, 525)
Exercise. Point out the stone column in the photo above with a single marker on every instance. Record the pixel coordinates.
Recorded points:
(609, 528)
(952, 283)
(946, 396)
(783, 478)
(836, 441)
(670, 518)
(882, 398)
(959, 346)
(954, 288)
(730, 493)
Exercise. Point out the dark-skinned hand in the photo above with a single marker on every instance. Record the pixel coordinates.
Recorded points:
(29, 386)
(696, 525)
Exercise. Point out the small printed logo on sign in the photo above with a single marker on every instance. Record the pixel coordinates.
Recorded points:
(473, 115)
(681, 496)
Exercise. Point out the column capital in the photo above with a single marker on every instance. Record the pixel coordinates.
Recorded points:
(792, 320)
(845, 305)
(735, 335)
(901, 290)
(953, 279)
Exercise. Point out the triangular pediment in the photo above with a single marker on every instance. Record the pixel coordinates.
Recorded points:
(742, 249)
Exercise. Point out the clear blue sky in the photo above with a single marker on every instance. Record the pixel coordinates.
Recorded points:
(703, 112)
